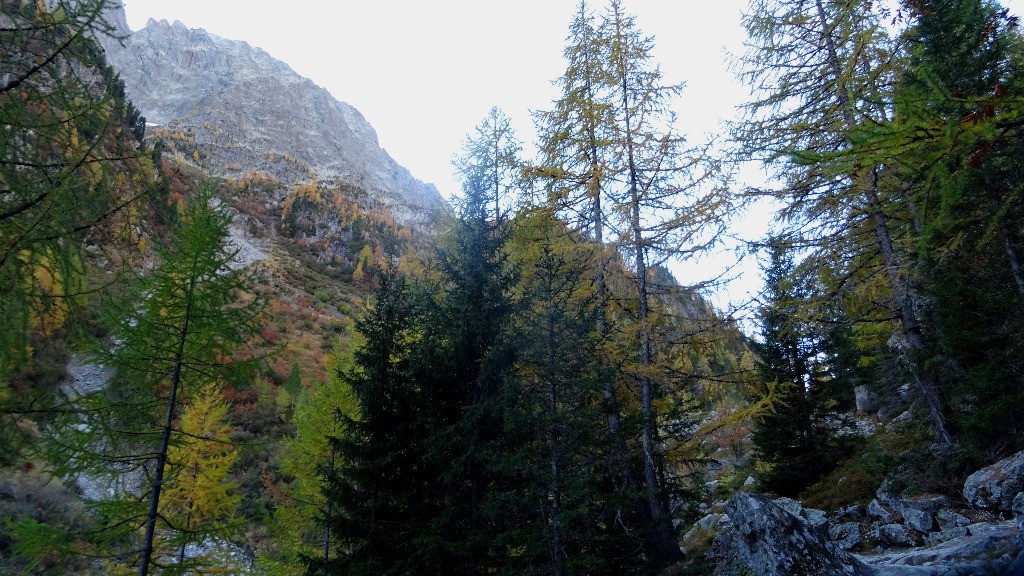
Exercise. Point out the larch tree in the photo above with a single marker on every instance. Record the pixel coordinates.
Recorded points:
(319, 415)
(190, 325)
(70, 163)
(669, 203)
(574, 139)
(955, 139)
(822, 70)
(201, 498)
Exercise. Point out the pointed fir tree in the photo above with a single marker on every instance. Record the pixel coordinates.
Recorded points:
(806, 381)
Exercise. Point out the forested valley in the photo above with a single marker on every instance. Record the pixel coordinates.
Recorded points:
(212, 373)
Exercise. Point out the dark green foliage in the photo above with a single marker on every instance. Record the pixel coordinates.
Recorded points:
(186, 328)
(807, 377)
(963, 74)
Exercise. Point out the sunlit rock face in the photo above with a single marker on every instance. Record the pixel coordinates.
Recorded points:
(248, 111)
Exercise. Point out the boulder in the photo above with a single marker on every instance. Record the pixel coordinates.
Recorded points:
(813, 516)
(1017, 506)
(987, 548)
(920, 520)
(877, 510)
(866, 400)
(994, 487)
(846, 535)
(700, 534)
(853, 512)
(949, 519)
(894, 535)
(766, 540)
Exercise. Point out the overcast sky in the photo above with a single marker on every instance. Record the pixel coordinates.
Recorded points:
(424, 73)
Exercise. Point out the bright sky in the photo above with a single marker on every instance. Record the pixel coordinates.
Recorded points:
(425, 73)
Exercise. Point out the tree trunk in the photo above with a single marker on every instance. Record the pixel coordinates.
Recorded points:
(661, 532)
(165, 441)
(909, 324)
(553, 437)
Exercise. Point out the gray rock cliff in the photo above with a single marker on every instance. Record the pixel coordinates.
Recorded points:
(243, 107)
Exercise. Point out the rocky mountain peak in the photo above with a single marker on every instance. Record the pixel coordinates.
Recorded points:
(245, 108)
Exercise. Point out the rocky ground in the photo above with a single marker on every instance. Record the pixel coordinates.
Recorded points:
(895, 535)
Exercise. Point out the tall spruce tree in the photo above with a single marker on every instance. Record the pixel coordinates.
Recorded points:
(437, 401)
(381, 496)
(804, 382)
(561, 373)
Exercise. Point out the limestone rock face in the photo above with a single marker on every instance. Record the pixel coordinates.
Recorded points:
(766, 540)
(245, 108)
(995, 486)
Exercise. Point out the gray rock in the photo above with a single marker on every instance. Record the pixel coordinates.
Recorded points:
(996, 486)
(886, 495)
(766, 540)
(815, 517)
(846, 535)
(249, 111)
(708, 524)
(749, 481)
(949, 519)
(877, 510)
(920, 520)
(1017, 506)
(948, 534)
(866, 400)
(928, 503)
(908, 392)
(975, 552)
(854, 511)
(895, 535)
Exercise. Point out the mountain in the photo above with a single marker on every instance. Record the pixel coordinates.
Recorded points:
(245, 110)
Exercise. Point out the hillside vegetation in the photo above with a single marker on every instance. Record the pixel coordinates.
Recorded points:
(269, 372)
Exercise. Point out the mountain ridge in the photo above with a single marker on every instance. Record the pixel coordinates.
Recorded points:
(247, 110)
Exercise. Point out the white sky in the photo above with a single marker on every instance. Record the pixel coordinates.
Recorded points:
(424, 73)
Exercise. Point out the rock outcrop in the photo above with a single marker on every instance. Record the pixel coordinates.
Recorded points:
(763, 539)
(247, 110)
(994, 487)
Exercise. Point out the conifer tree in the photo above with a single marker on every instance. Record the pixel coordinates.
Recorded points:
(490, 161)
(201, 498)
(575, 156)
(432, 383)
(380, 498)
(190, 326)
(668, 205)
(70, 164)
(805, 385)
(561, 374)
(825, 69)
(956, 139)
(318, 417)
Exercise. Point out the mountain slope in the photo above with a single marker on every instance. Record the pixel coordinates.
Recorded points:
(248, 111)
